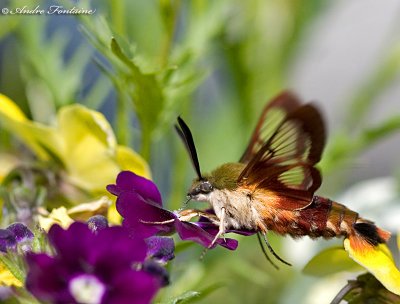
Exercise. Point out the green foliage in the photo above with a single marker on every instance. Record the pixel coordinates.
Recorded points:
(330, 261)
(194, 296)
(185, 297)
(153, 85)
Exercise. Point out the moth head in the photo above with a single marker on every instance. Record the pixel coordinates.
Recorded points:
(200, 189)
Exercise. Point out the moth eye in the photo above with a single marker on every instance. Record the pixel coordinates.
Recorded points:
(206, 187)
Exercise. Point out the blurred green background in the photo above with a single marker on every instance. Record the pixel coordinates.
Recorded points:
(217, 63)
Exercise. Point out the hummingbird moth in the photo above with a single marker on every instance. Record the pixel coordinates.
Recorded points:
(272, 186)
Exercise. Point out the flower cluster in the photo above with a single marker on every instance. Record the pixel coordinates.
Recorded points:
(101, 265)
(14, 235)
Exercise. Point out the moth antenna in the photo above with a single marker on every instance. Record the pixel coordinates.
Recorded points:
(273, 252)
(187, 138)
(265, 252)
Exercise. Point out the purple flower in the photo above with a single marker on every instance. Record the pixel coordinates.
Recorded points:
(101, 267)
(97, 222)
(139, 203)
(13, 235)
(160, 248)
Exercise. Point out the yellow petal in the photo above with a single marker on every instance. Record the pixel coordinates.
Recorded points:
(92, 157)
(41, 139)
(83, 212)
(89, 155)
(378, 261)
(7, 278)
(76, 122)
(113, 215)
(57, 216)
(10, 109)
(130, 160)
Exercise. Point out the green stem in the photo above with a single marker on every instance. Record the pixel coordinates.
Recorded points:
(117, 16)
(170, 24)
(146, 144)
(122, 119)
(344, 291)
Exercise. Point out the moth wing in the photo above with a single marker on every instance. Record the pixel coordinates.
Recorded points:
(272, 115)
(282, 153)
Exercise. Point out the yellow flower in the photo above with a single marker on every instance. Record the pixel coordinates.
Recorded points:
(379, 261)
(81, 140)
(81, 212)
(7, 278)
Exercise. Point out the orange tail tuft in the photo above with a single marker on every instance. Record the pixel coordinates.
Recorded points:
(383, 234)
(366, 236)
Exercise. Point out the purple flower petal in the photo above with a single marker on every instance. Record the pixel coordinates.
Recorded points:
(47, 279)
(75, 243)
(132, 287)
(8, 240)
(21, 232)
(156, 270)
(160, 248)
(191, 231)
(139, 214)
(129, 181)
(115, 251)
(244, 232)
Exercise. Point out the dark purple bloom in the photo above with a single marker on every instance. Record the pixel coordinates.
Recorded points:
(139, 203)
(160, 248)
(97, 222)
(128, 181)
(101, 267)
(7, 240)
(13, 235)
(22, 233)
(155, 269)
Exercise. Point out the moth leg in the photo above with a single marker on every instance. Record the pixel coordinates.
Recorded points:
(187, 214)
(272, 250)
(221, 230)
(158, 223)
(265, 252)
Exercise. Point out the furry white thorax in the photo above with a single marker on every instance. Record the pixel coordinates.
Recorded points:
(239, 212)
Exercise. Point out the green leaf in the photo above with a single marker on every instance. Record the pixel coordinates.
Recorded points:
(193, 296)
(389, 126)
(146, 94)
(330, 261)
(185, 297)
(12, 263)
